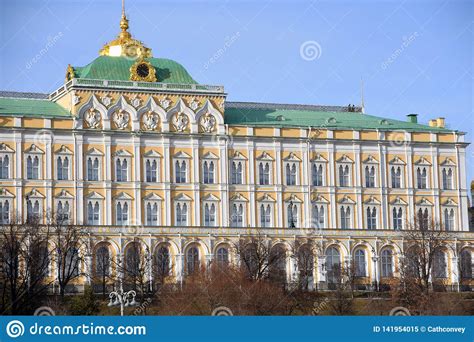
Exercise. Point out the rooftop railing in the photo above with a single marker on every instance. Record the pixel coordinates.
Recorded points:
(85, 82)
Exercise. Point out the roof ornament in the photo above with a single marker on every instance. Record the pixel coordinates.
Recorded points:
(124, 45)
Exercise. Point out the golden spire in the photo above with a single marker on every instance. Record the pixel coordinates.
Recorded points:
(125, 45)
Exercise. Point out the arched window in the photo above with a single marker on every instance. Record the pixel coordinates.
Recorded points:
(396, 175)
(4, 167)
(63, 212)
(397, 218)
(466, 264)
(63, 168)
(32, 167)
(93, 211)
(92, 169)
(439, 264)
(386, 263)
(343, 175)
(4, 212)
(292, 214)
(180, 171)
(192, 260)
(32, 210)
(423, 218)
(333, 265)
(122, 213)
(163, 262)
(181, 214)
(370, 176)
(345, 217)
(208, 171)
(222, 256)
(133, 260)
(209, 214)
(102, 261)
(265, 215)
(277, 267)
(447, 174)
(371, 218)
(152, 214)
(317, 175)
(264, 173)
(237, 215)
(71, 268)
(360, 263)
(422, 178)
(449, 218)
(236, 172)
(151, 170)
(121, 170)
(318, 216)
(291, 174)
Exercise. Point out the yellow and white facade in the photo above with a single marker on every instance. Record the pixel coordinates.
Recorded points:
(175, 165)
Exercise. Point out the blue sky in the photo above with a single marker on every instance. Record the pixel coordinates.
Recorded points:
(414, 56)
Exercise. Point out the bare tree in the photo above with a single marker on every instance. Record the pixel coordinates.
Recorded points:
(103, 268)
(342, 300)
(70, 245)
(303, 252)
(257, 256)
(423, 240)
(25, 260)
(135, 269)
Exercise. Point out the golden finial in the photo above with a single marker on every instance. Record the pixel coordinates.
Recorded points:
(125, 45)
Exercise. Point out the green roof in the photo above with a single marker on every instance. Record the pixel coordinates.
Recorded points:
(275, 115)
(118, 68)
(36, 107)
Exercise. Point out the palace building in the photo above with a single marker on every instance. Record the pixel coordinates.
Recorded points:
(135, 149)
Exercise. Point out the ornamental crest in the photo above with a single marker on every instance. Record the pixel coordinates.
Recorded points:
(180, 122)
(121, 119)
(151, 120)
(208, 122)
(92, 118)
